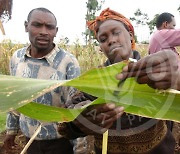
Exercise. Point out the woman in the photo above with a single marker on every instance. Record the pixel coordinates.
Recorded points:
(127, 133)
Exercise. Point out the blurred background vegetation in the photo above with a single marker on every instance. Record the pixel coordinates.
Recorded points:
(89, 56)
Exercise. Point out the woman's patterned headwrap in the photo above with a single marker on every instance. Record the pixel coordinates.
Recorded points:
(106, 14)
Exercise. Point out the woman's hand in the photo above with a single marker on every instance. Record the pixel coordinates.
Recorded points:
(159, 70)
(98, 118)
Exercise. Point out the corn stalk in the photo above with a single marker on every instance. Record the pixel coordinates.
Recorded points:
(2, 28)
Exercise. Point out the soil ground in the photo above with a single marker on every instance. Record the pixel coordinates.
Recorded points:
(20, 141)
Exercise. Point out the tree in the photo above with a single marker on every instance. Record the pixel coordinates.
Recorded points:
(5, 12)
(179, 9)
(140, 19)
(92, 7)
(151, 24)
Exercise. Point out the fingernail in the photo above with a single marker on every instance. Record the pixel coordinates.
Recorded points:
(121, 109)
(111, 105)
(125, 68)
(119, 76)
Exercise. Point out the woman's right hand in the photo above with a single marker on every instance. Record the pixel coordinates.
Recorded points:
(98, 118)
(159, 70)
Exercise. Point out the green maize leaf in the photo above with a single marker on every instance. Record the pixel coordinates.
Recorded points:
(163, 111)
(49, 113)
(102, 83)
(16, 92)
(137, 99)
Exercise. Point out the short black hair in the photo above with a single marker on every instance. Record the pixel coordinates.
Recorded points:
(163, 18)
(39, 9)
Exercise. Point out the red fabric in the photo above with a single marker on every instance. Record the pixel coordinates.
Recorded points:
(110, 14)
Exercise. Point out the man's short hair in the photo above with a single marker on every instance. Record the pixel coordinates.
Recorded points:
(39, 9)
(163, 18)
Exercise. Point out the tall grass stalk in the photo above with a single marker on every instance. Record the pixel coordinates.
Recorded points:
(7, 48)
(88, 56)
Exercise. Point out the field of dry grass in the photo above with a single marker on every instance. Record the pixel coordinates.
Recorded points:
(88, 56)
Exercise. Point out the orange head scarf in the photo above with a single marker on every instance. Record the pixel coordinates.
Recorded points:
(106, 14)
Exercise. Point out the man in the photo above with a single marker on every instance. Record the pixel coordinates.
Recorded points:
(127, 133)
(166, 37)
(42, 59)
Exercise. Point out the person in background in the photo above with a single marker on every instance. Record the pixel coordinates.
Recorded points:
(128, 133)
(166, 36)
(42, 59)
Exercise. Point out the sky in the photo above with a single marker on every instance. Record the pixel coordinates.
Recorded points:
(70, 15)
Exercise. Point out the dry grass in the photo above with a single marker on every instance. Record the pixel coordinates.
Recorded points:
(7, 48)
(88, 56)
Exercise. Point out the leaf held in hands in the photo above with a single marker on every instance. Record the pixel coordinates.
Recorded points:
(101, 82)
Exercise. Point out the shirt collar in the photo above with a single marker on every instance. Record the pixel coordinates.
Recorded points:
(49, 57)
(136, 56)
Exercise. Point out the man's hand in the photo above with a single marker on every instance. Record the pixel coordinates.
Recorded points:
(159, 70)
(98, 118)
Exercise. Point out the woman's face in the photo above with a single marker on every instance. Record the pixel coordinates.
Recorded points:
(115, 40)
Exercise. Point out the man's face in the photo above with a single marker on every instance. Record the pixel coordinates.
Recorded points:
(172, 24)
(115, 41)
(41, 29)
